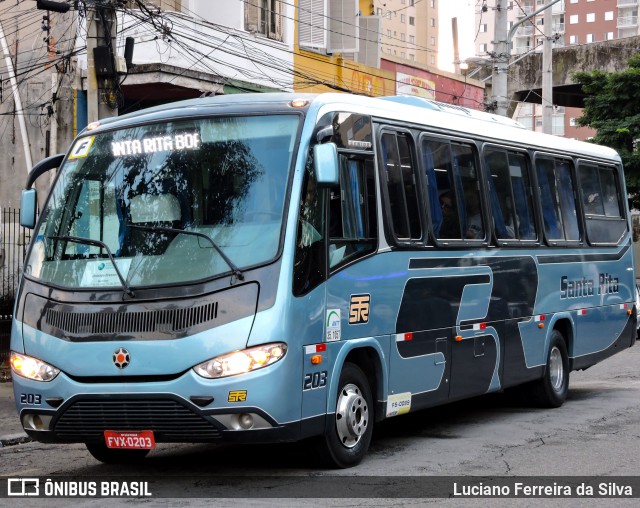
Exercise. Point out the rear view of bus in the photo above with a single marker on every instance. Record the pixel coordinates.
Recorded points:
(158, 246)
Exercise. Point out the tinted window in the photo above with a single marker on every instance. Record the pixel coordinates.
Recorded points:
(401, 186)
(509, 187)
(557, 198)
(453, 190)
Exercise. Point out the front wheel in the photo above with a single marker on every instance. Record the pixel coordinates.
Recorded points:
(101, 452)
(347, 442)
(552, 389)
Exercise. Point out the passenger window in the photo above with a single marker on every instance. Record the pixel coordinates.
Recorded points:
(309, 263)
(453, 190)
(601, 201)
(352, 212)
(557, 198)
(510, 195)
(402, 192)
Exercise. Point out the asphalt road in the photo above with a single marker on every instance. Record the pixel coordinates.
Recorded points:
(595, 433)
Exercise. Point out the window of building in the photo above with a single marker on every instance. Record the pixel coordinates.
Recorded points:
(412, 57)
(389, 33)
(482, 48)
(412, 20)
(432, 22)
(402, 37)
(379, 11)
(483, 27)
(574, 19)
(433, 60)
(264, 17)
(572, 121)
(591, 17)
(608, 16)
(412, 39)
(608, 36)
(432, 3)
(433, 40)
(589, 38)
(573, 1)
(573, 39)
(403, 18)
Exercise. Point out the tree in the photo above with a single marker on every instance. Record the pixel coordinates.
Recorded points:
(612, 108)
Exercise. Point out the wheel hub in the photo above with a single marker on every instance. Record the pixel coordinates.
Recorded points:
(352, 415)
(556, 369)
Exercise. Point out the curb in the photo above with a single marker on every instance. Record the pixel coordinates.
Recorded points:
(14, 439)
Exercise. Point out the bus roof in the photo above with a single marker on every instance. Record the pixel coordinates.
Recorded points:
(412, 110)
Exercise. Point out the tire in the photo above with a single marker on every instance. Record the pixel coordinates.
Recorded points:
(347, 442)
(551, 391)
(100, 452)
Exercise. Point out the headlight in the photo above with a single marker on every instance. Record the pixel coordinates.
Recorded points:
(32, 368)
(240, 362)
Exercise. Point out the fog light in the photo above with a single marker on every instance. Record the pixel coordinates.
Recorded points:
(36, 422)
(246, 421)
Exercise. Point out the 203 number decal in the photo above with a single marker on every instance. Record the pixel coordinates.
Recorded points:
(315, 380)
(32, 399)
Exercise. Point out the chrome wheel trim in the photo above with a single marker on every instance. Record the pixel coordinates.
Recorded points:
(556, 369)
(352, 415)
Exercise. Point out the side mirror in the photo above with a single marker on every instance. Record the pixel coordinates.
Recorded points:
(29, 198)
(28, 202)
(326, 164)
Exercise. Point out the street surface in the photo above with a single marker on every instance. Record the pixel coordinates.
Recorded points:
(595, 432)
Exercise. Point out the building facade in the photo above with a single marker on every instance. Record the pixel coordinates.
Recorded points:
(574, 22)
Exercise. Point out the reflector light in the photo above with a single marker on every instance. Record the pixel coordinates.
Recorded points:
(93, 125)
(299, 103)
(315, 348)
(316, 359)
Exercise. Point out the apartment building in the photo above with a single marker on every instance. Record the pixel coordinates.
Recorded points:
(409, 29)
(574, 22)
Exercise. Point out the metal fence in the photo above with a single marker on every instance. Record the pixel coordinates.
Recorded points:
(13, 243)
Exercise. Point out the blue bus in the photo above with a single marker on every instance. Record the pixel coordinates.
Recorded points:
(280, 267)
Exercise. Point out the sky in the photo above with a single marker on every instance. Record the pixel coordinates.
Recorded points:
(464, 10)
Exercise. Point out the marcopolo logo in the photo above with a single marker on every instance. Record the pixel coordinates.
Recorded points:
(121, 358)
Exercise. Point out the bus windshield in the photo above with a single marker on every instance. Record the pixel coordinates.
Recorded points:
(166, 203)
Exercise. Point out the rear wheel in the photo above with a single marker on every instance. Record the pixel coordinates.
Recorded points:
(552, 389)
(114, 455)
(348, 440)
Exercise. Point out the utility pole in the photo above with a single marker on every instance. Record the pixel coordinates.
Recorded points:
(501, 69)
(101, 71)
(501, 49)
(18, 102)
(547, 73)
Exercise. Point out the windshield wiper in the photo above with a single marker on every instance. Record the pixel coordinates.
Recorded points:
(236, 271)
(97, 243)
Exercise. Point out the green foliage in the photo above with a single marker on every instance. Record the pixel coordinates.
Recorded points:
(612, 108)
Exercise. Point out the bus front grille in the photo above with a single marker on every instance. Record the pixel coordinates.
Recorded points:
(170, 421)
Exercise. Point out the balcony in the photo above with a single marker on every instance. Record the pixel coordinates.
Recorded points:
(558, 28)
(524, 10)
(627, 21)
(627, 3)
(524, 31)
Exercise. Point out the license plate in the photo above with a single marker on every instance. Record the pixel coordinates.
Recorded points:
(130, 440)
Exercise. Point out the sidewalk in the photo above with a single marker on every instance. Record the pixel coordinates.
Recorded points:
(11, 431)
